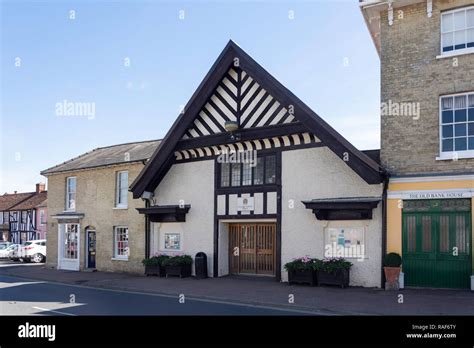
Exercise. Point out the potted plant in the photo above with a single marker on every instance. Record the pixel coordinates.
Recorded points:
(179, 265)
(153, 265)
(333, 271)
(301, 271)
(392, 263)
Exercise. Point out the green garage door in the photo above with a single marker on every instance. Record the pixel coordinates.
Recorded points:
(437, 243)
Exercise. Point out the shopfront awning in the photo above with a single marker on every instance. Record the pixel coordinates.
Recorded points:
(352, 208)
(166, 213)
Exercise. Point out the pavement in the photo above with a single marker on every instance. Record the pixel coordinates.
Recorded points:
(266, 292)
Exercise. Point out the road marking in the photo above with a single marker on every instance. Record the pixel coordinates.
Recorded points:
(192, 298)
(50, 310)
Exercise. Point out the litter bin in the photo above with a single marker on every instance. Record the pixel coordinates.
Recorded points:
(200, 262)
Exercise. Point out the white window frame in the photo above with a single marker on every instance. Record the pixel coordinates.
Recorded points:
(455, 51)
(118, 188)
(42, 217)
(68, 208)
(451, 155)
(116, 256)
(180, 241)
(364, 241)
(170, 230)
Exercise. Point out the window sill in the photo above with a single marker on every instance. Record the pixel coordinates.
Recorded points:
(451, 54)
(119, 259)
(120, 208)
(453, 156)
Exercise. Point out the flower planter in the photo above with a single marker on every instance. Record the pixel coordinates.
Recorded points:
(391, 274)
(182, 271)
(302, 277)
(340, 277)
(157, 270)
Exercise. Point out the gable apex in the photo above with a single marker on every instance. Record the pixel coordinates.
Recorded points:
(232, 63)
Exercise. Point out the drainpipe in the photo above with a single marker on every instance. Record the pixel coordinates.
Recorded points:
(147, 231)
(386, 177)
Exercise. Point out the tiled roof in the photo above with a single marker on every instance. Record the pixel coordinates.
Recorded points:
(32, 202)
(109, 155)
(9, 200)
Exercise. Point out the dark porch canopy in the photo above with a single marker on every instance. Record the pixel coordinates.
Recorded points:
(351, 208)
(166, 213)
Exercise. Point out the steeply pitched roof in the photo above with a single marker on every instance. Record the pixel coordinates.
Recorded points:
(374, 154)
(43, 203)
(163, 157)
(9, 200)
(109, 155)
(31, 202)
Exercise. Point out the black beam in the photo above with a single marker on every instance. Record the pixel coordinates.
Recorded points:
(244, 135)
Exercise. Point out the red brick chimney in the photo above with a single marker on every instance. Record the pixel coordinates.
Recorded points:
(40, 187)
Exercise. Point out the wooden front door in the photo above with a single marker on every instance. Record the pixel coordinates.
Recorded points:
(252, 248)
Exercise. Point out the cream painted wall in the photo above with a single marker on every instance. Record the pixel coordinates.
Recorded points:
(321, 174)
(190, 183)
(394, 226)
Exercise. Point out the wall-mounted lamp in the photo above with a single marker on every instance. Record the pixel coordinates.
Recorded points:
(231, 127)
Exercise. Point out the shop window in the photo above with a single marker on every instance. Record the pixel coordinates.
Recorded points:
(121, 248)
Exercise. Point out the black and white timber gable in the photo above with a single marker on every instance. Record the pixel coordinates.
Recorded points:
(268, 116)
(281, 142)
(239, 98)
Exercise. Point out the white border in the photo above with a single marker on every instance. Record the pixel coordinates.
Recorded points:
(465, 193)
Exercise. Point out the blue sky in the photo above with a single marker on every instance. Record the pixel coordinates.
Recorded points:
(324, 55)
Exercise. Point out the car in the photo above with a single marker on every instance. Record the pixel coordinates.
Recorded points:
(33, 250)
(7, 252)
(14, 253)
(4, 245)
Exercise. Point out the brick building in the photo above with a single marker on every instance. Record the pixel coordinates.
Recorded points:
(426, 51)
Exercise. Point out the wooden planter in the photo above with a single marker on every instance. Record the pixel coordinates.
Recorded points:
(154, 270)
(302, 277)
(182, 271)
(340, 278)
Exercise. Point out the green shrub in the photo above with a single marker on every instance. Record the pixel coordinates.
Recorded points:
(179, 260)
(300, 264)
(156, 260)
(392, 260)
(332, 265)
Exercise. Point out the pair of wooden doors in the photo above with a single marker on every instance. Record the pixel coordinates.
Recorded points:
(252, 248)
(437, 243)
